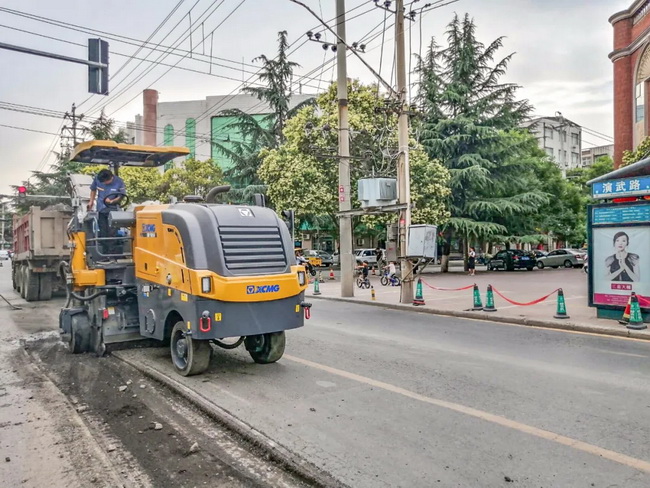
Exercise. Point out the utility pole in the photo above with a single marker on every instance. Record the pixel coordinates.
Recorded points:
(2, 245)
(403, 167)
(345, 203)
(69, 133)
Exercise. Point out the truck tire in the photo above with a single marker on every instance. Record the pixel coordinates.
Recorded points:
(14, 278)
(23, 280)
(45, 286)
(31, 285)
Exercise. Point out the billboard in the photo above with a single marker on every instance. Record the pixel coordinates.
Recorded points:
(619, 253)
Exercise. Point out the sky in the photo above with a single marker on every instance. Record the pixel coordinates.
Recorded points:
(561, 57)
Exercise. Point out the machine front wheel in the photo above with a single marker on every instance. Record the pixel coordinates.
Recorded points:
(189, 356)
(266, 348)
(79, 334)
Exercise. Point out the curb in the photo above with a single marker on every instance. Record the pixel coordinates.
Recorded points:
(289, 461)
(627, 333)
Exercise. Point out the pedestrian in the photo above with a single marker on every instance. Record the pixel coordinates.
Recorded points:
(471, 264)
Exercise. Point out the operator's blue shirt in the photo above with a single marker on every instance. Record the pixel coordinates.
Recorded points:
(114, 188)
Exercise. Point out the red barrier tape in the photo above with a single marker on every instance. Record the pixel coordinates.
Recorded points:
(448, 289)
(534, 302)
(644, 301)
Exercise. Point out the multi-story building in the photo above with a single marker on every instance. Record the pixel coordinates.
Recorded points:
(631, 60)
(196, 124)
(560, 138)
(590, 155)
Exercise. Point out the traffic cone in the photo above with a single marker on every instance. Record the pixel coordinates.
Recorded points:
(560, 312)
(372, 293)
(636, 319)
(477, 299)
(419, 297)
(626, 313)
(316, 287)
(373, 270)
(332, 273)
(489, 301)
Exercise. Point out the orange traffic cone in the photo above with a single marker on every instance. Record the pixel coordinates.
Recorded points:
(626, 314)
(332, 273)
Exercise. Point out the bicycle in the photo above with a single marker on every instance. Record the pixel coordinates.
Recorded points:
(386, 279)
(363, 282)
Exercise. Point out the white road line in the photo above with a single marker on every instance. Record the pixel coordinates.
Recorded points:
(638, 464)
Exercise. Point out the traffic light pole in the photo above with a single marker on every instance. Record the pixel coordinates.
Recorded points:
(345, 204)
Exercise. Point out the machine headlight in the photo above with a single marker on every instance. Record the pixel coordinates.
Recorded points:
(206, 284)
(301, 278)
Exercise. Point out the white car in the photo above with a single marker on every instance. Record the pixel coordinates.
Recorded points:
(4, 255)
(362, 255)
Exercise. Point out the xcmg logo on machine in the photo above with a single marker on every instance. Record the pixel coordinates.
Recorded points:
(252, 289)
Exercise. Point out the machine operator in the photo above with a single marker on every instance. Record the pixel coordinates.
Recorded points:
(109, 191)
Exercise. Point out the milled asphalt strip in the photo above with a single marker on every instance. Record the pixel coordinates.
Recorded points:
(486, 316)
(638, 464)
(288, 460)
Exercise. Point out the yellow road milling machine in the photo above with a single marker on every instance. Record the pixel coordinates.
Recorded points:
(188, 274)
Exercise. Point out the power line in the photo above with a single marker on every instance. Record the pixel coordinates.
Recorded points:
(29, 130)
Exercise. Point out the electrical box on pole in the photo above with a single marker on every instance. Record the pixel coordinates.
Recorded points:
(98, 75)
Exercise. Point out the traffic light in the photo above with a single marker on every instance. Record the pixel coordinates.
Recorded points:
(22, 192)
(98, 77)
(289, 218)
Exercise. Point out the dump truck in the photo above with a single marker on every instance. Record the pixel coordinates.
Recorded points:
(41, 242)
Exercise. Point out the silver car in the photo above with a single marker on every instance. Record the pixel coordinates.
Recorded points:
(568, 258)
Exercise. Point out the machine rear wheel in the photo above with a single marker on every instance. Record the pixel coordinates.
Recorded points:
(266, 348)
(189, 356)
(79, 334)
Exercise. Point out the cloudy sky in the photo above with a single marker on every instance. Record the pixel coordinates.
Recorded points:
(561, 59)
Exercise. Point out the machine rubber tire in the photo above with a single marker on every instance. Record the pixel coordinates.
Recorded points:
(31, 285)
(189, 356)
(270, 351)
(45, 286)
(79, 334)
(540, 265)
(568, 264)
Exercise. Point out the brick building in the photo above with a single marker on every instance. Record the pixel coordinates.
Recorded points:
(631, 59)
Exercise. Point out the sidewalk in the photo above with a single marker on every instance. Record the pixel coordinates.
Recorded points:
(521, 286)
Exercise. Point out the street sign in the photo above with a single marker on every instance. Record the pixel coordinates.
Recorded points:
(626, 187)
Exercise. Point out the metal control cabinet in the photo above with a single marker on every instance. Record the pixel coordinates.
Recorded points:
(422, 241)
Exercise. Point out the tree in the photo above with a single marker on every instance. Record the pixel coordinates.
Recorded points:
(470, 123)
(301, 176)
(191, 177)
(256, 133)
(103, 129)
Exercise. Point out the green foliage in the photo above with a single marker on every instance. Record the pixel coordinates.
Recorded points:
(470, 123)
(641, 152)
(103, 129)
(267, 132)
(191, 177)
(300, 176)
(142, 184)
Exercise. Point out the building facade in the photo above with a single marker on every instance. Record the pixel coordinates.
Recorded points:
(560, 138)
(590, 155)
(631, 60)
(198, 125)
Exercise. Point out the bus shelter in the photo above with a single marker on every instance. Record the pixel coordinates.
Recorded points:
(619, 240)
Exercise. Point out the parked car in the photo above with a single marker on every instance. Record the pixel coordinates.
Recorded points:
(313, 257)
(539, 253)
(512, 259)
(369, 255)
(4, 255)
(326, 258)
(569, 258)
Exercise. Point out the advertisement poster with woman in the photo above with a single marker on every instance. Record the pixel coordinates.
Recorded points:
(621, 264)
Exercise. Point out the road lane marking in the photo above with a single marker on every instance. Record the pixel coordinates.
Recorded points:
(617, 457)
(630, 354)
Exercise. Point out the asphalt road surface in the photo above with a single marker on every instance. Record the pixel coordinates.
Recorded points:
(386, 398)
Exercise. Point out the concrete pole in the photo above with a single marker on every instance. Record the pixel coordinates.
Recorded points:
(2, 244)
(345, 222)
(403, 168)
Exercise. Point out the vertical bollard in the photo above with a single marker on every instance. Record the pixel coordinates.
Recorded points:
(372, 293)
(419, 297)
(316, 286)
(489, 301)
(636, 319)
(561, 306)
(477, 299)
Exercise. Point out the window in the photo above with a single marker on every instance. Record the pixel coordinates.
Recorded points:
(640, 102)
(549, 133)
(549, 151)
(575, 158)
(190, 137)
(575, 140)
